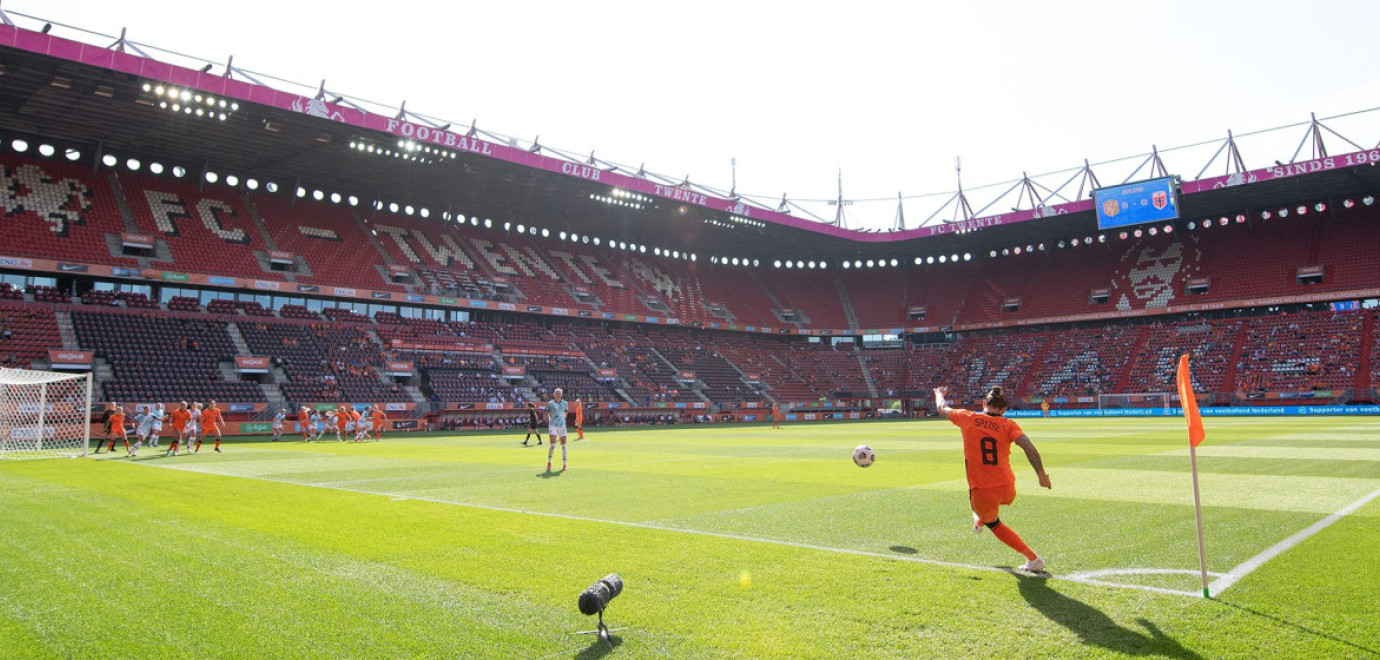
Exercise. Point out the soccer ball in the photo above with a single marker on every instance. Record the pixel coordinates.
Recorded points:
(864, 456)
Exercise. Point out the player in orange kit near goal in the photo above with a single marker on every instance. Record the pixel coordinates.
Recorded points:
(210, 423)
(987, 440)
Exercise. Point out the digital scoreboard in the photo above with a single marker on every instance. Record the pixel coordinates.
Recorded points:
(1155, 200)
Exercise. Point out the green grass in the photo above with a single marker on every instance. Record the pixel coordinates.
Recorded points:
(733, 542)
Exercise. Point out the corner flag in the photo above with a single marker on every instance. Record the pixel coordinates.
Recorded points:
(1189, 403)
(1195, 437)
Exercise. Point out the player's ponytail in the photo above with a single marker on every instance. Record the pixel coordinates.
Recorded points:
(996, 398)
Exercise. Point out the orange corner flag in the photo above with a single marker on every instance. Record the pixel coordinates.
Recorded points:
(1189, 403)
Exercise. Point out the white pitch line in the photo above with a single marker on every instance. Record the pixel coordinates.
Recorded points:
(1091, 577)
(1247, 567)
(683, 530)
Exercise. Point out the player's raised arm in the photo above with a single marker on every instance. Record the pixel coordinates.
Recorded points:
(1033, 455)
(941, 405)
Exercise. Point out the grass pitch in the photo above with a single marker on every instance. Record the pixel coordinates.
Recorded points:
(733, 542)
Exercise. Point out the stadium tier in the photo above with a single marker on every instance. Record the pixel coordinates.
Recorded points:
(61, 211)
(155, 358)
(57, 210)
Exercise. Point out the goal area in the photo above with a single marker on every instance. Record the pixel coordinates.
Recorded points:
(44, 414)
(1135, 400)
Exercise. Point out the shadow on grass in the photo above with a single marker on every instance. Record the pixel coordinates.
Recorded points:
(1095, 628)
(1297, 627)
(598, 649)
(904, 550)
(549, 474)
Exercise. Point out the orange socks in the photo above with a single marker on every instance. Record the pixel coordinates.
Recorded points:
(1011, 538)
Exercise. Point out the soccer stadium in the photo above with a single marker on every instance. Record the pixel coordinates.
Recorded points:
(355, 319)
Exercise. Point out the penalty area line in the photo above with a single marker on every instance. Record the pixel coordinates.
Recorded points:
(1250, 565)
(398, 497)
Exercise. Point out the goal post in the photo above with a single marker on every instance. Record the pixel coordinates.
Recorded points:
(44, 414)
(1135, 400)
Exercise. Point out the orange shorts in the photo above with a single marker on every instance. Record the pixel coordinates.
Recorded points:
(987, 502)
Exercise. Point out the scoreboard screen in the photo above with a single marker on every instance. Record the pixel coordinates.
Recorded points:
(1155, 200)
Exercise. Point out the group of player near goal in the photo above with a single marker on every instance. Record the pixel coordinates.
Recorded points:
(190, 421)
(193, 421)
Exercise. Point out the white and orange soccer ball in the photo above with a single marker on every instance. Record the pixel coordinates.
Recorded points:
(864, 456)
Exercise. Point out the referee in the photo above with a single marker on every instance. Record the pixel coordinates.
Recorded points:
(533, 423)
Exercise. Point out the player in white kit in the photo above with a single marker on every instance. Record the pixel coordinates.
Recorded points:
(363, 427)
(158, 414)
(193, 426)
(143, 426)
(278, 424)
(556, 409)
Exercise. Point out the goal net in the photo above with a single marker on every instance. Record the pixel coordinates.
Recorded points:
(1136, 400)
(44, 414)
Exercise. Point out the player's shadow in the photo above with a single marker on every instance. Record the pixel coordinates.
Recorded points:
(1298, 627)
(598, 649)
(1096, 628)
(904, 550)
(550, 474)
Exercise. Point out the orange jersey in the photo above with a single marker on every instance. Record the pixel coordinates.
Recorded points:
(580, 415)
(304, 417)
(180, 418)
(340, 418)
(210, 418)
(355, 415)
(987, 447)
(378, 418)
(117, 421)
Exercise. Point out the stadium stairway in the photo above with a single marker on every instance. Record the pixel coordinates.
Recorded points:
(69, 333)
(385, 259)
(274, 395)
(1238, 343)
(122, 202)
(415, 393)
(1027, 385)
(862, 363)
(847, 304)
(776, 302)
(258, 222)
(1123, 378)
(1363, 382)
(237, 339)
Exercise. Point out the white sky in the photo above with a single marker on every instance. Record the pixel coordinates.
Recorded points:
(889, 92)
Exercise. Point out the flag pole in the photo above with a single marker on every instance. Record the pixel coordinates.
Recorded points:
(1189, 404)
(1198, 509)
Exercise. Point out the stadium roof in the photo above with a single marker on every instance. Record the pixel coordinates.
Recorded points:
(106, 100)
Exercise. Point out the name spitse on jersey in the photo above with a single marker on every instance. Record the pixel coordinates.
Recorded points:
(987, 441)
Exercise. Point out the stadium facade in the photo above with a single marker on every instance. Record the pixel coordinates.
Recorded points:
(192, 233)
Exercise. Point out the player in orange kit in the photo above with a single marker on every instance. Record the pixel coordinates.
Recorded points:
(117, 429)
(304, 423)
(579, 418)
(210, 423)
(342, 418)
(987, 440)
(180, 418)
(378, 418)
